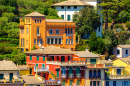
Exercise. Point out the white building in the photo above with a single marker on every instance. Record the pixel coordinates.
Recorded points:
(67, 8)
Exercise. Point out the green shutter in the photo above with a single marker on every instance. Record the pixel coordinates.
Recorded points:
(43, 58)
(68, 17)
(30, 57)
(62, 16)
(92, 61)
(78, 82)
(36, 65)
(43, 65)
(63, 82)
(70, 82)
(37, 57)
(1, 76)
(57, 73)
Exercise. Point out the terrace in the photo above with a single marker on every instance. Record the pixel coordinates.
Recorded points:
(95, 65)
(41, 69)
(127, 76)
(73, 63)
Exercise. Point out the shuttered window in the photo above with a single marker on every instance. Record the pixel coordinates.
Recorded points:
(92, 61)
(30, 57)
(62, 16)
(43, 58)
(37, 57)
(63, 82)
(70, 82)
(1, 76)
(68, 17)
(78, 82)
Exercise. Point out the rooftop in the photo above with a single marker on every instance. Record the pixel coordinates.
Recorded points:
(50, 50)
(124, 46)
(8, 65)
(58, 20)
(23, 67)
(106, 62)
(85, 54)
(35, 14)
(126, 60)
(72, 3)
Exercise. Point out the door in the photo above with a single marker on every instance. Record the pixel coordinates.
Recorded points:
(10, 76)
(57, 73)
(30, 70)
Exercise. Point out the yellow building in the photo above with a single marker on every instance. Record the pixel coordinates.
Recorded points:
(25, 70)
(41, 32)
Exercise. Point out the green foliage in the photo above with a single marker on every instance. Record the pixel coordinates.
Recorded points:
(87, 21)
(33, 48)
(53, 74)
(127, 24)
(10, 16)
(9, 40)
(121, 39)
(113, 57)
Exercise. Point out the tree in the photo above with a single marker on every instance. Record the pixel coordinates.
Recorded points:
(93, 42)
(87, 21)
(100, 45)
(113, 8)
(127, 24)
(121, 39)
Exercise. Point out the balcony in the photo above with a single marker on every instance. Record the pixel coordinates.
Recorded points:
(41, 69)
(13, 81)
(53, 62)
(119, 76)
(63, 75)
(78, 75)
(69, 34)
(71, 75)
(73, 63)
(38, 34)
(52, 82)
(95, 65)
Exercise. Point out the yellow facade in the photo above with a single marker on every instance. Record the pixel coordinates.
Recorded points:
(24, 72)
(29, 29)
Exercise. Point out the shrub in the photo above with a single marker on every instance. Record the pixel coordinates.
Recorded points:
(127, 24)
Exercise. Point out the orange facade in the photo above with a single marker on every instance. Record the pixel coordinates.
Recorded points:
(41, 32)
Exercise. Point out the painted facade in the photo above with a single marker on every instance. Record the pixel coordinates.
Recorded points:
(41, 32)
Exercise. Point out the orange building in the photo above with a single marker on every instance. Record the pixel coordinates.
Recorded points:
(41, 32)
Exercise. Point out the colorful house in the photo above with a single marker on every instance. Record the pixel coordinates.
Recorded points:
(25, 70)
(41, 32)
(122, 51)
(9, 74)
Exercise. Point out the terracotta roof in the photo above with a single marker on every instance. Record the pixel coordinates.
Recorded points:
(85, 54)
(72, 3)
(23, 67)
(124, 46)
(106, 62)
(8, 65)
(30, 79)
(50, 50)
(57, 20)
(35, 14)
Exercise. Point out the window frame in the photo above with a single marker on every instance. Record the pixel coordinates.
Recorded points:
(62, 7)
(51, 30)
(30, 56)
(44, 58)
(58, 31)
(75, 7)
(37, 57)
(68, 17)
(68, 7)
(62, 16)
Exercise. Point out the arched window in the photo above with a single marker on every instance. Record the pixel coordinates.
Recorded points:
(94, 73)
(99, 74)
(63, 71)
(70, 70)
(90, 74)
(37, 30)
(77, 70)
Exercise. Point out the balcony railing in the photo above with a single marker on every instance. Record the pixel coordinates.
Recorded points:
(41, 69)
(69, 34)
(119, 76)
(53, 62)
(95, 65)
(52, 82)
(63, 75)
(71, 75)
(78, 75)
(72, 63)
(13, 81)
(38, 34)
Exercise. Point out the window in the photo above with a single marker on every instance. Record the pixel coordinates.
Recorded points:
(37, 41)
(34, 41)
(63, 83)
(107, 83)
(59, 40)
(57, 31)
(22, 31)
(1, 76)
(69, 41)
(70, 83)
(71, 30)
(126, 51)
(68, 30)
(68, 7)
(55, 40)
(27, 42)
(77, 70)
(43, 66)
(50, 31)
(75, 7)
(90, 83)
(69, 58)
(43, 58)
(27, 30)
(78, 82)
(22, 42)
(98, 83)
(37, 21)
(48, 40)
(92, 61)
(37, 30)
(90, 74)
(30, 57)
(51, 40)
(62, 16)
(40, 20)
(40, 41)
(94, 83)
(124, 83)
(86, 60)
(114, 83)
(57, 73)
(37, 57)
(36, 65)
(118, 51)
(62, 7)
(66, 41)
(118, 71)
(68, 17)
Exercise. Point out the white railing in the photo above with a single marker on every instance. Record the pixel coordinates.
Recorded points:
(95, 65)
(71, 75)
(52, 81)
(40, 69)
(78, 75)
(53, 62)
(38, 34)
(73, 63)
(127, 76)
(63, 75)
